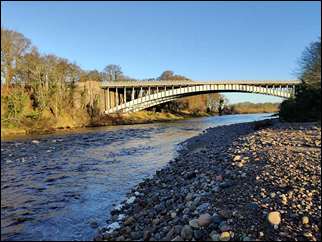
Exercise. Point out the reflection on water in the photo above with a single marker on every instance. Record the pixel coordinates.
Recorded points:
(57, 188)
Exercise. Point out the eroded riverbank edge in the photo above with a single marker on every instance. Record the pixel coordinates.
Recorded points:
(225, 183)
(143, 117)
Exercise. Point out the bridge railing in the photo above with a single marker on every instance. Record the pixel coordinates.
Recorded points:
(155, 98)
(120, 84)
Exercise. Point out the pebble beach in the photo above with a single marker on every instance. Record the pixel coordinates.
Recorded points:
(243, 182)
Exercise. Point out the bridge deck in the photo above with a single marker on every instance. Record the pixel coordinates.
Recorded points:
(121, 84)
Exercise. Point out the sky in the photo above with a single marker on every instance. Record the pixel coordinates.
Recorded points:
(200, 40)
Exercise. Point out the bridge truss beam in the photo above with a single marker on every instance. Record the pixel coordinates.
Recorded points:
(145, 95)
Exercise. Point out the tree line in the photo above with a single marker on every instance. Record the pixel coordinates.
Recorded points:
(306, 105)
(36, 86)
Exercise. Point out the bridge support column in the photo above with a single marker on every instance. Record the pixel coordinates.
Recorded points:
(133, 93)
(141, 92)
(116, 99)
(108, 99)
(104, 92)
(124, 94)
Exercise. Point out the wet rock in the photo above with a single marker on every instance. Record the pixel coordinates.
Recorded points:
(204, 220)
(155, 221)
(173, 215)
(224, 226)
(186, 232)
(131, 200)
(120, 217)
(138, 235)
(146, 235)
(129, 221)
(214, 236)
(226, 184)
(194, 223)
(94, 224)
(253, 207)
(120, 238)
(177, 238)
(190, 175)
(203, 207)
(200, 235)
(189, 197)
(219, 178)
(113, 226)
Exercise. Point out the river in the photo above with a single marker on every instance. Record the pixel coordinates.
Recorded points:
(56, 187)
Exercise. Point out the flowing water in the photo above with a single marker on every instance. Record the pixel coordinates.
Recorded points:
(56, 187)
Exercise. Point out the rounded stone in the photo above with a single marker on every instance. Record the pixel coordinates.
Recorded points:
(237, 157)
(194, 223)
(129, 221)
(216, 218)
(204, 219)
(305, 220)
(214, 236)
(186, 232)
(173, 215)
(177, 238)
(203, 207)
(224, 236)
(274, 218)
(189, 197)
(200, 235)
(224, 227)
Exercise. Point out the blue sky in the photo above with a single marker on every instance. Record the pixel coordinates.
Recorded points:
(201, 40)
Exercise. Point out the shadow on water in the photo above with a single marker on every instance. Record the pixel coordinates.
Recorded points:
(61, 187)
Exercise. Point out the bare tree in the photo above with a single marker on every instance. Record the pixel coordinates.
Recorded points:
(13, 47)
(166, 75)
(112, 73)
(310, 65)
(169, 75)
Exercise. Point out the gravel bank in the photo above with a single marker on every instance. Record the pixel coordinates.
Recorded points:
(252, 181)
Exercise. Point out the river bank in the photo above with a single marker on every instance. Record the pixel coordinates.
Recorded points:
(251, 181)
(143, 117)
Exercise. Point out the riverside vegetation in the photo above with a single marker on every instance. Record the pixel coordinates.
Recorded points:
(306, 105)
(41, 93)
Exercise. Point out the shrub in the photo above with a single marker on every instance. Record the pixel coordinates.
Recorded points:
(305, 107)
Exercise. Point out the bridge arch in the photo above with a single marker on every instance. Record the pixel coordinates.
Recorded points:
(165, 92)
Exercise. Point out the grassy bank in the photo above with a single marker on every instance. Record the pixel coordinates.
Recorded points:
(248, 107)
(67, 121)
(144, 117)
